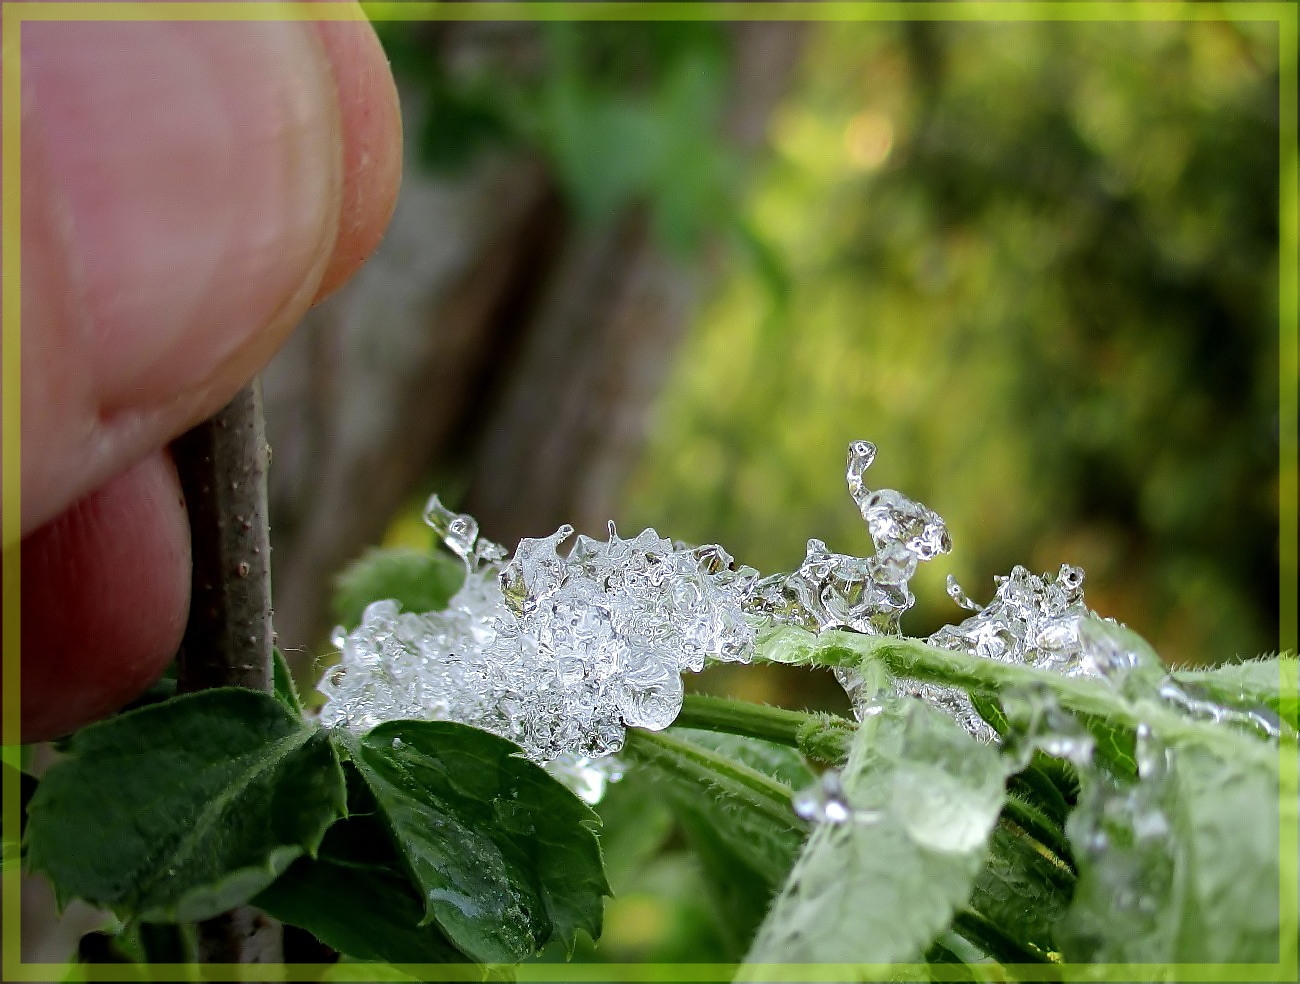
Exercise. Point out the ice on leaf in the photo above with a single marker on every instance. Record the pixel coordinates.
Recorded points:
(557, 652)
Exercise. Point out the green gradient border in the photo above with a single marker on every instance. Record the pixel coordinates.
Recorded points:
(1284, 14)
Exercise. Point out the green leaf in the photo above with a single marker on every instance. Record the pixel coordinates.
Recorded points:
(181, 810)
(882, 886)
(1040, 783)
(990, 709)
(636, 821)
(742, 858)
(418, 581)
(739, 892)
(752, 808)
(354, 897)
(284, 690)
(778, 762)
(504, 856)
(1181, 866)
(1021, 890)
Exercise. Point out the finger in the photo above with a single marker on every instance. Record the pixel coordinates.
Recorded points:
(185, 199)
(105, 593)
(372, 145)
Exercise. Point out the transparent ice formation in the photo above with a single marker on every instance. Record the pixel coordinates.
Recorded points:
(558, 653)
(865, 594)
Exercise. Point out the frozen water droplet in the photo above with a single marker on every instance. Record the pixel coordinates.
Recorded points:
(1039, 724)
(398, 743)
(558, 654)
(458, 531)
(959, 596)
(1194, 702)
(894, 518)
(824, 801)
(1112, 653)
(861, 455)
(587, 778)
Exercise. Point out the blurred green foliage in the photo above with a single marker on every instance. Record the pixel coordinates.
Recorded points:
(1036, 263)
(622, 114)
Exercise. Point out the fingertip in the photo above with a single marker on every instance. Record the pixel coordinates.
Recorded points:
(105, 595)
(372, 144)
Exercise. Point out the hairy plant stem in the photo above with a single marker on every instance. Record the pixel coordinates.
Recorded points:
(793, 728)
(736, 717)
(699, 766)
(821, 737)
(917, 660)
(228, 640)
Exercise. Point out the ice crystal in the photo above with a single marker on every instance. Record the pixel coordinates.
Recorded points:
(556, 653)
(864, 594)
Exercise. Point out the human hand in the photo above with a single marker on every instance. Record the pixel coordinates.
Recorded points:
(189, 190)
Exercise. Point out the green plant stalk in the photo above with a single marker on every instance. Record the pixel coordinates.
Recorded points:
(735, 717)
(915, 659)
(696, 765)
(820, 737)
(790, 728)
(997, 944)
(1027, 822)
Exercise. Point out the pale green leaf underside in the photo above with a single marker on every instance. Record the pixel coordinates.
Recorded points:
(1191, 873)
(880, 892)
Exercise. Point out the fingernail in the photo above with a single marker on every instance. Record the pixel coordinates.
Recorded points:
(200, 167)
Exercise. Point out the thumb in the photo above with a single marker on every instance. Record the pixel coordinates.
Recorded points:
(186, 195)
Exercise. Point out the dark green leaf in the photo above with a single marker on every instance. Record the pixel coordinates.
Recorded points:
(181, 810)
(285, 691)
(1020, 890)
(990, 709)
(505, 857)
(880, 887)
(354, 896)
(1116, 746)
(1039, 786)
(418, 581)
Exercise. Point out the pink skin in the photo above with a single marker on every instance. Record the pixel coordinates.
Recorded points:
(189, 190)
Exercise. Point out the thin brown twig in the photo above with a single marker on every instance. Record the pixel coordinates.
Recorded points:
(228, 640)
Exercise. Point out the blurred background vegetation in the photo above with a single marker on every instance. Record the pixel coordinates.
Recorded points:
(1036, 264)
(666, 272)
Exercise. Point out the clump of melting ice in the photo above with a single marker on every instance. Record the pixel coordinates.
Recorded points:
(558, 653)
(561, 652)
